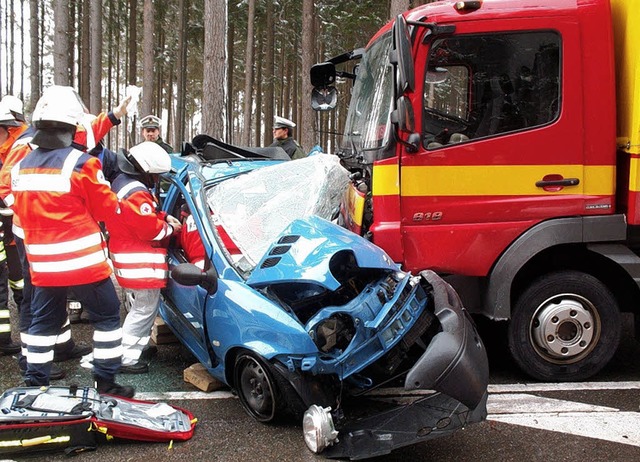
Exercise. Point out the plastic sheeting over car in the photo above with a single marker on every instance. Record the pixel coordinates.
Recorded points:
(256, 207)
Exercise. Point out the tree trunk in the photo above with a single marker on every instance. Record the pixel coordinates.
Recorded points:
(306, 132)
(229, 99)
(61, 42)
(133, 42)
(84, 67)
(148, 49)
(183, 13)
(269, 76)
(397, 7)
(248, 69)
(213, 84)
(34, 34)
(95, 98)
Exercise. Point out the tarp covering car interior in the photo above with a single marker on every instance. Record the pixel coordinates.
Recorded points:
(212, 149)
(256, 207)
(74, 419)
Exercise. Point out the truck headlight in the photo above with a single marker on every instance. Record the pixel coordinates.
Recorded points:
(318, 429)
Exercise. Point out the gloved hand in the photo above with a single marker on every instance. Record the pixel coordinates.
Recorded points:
(121, 109)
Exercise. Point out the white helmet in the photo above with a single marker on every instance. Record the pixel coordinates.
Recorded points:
(150, 157)
(6, 117)
(15, 106)
(58, 104)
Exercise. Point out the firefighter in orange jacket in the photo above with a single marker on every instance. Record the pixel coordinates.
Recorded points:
(7, 346)
(136, 245)
(60, 194)
(65, 347)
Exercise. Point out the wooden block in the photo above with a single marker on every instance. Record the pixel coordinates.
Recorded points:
(160, 326)
(163, 339)
(197, 375)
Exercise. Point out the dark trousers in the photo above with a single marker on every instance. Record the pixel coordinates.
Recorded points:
(48, 308)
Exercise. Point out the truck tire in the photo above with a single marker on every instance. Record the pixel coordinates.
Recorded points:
(564, 327)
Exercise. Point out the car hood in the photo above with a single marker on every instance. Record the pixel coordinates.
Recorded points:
(303, 252)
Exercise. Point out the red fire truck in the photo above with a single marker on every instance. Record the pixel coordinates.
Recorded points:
(483, 144)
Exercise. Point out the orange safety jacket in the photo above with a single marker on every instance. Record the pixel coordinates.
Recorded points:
(14, 134)
(136, 237)
(60, 195)
(22, 146)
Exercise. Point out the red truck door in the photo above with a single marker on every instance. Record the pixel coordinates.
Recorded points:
(502, 142)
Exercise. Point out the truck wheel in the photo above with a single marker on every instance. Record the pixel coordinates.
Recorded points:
(564, 327)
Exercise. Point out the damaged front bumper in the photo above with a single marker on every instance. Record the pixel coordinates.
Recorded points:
(454, 368)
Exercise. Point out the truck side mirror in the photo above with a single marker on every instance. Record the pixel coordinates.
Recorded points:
(401, 56)
(324, 98)
(323, 74)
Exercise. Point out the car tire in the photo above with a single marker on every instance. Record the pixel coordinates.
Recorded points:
(564, 327)
(256, 387)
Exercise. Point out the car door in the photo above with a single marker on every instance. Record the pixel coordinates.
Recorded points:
(496, 130)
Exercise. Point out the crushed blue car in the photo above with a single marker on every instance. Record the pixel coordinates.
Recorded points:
(308, 321)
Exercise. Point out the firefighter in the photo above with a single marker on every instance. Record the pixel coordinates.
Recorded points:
(10, 131)
(137, 245)
(59, 194)
(66, 348)
(151, 132)
(8, 123)
(283, 137)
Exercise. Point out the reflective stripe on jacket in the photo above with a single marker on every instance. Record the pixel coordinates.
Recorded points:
(136, 237)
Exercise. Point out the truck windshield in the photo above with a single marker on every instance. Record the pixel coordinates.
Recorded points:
(367, 126)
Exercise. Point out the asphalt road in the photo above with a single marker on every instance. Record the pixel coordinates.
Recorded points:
(528, 421)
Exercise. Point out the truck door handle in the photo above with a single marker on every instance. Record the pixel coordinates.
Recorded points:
(563, 182)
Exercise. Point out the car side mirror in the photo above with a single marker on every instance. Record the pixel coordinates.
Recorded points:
(189, 274)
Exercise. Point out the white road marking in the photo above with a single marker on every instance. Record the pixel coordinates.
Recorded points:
(512, 404)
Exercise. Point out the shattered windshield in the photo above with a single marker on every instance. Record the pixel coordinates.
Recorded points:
(367, 125)
(254, 208)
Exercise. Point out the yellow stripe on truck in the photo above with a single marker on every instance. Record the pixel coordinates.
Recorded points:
(494, 180)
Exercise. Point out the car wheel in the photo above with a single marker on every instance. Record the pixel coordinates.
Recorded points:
(256, 387)
(564, 327)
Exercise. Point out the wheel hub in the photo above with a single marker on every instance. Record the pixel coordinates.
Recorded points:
(563, 328)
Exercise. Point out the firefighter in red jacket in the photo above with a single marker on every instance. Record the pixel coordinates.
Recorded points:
(137, 245)
(60, 193)
(66, 348)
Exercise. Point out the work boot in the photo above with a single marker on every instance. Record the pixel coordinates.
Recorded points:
(136, 368)
(55, 374)
(78, 351)
(9, 348)
(109, 387)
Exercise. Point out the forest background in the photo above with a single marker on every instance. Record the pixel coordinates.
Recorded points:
(224, 68)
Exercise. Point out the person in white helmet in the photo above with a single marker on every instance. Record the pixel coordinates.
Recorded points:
(283, 137)
(137, 245)
(7, 345)
(60, 194)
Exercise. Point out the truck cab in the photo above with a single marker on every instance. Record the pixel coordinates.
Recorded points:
(482, 141)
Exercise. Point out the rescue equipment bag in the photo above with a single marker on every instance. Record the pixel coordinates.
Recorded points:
(76, 419)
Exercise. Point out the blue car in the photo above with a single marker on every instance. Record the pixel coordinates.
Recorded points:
(305, 320)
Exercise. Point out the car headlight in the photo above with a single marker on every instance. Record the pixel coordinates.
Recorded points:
(318, 429)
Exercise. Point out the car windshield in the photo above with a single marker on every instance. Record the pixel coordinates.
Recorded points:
(367, 126)
(253, 209)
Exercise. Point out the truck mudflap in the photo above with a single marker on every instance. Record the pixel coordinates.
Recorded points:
(422, 419)
(456, 370)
